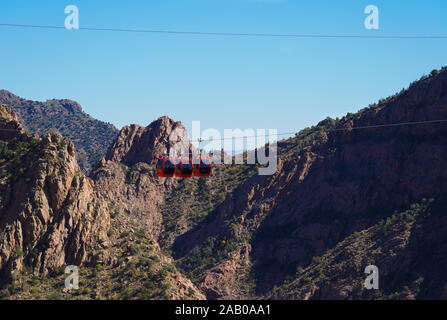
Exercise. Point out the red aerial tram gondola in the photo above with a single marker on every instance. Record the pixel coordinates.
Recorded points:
(165, 166)
(203, 167)
(184, 167)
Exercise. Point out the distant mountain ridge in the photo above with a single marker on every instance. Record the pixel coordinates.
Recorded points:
(90, 136)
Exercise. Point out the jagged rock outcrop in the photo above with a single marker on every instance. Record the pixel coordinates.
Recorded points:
(143, 144)
(127, 173)
(127, 181)
(48, 215)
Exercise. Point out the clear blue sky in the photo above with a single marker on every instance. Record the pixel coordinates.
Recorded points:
(226, 82)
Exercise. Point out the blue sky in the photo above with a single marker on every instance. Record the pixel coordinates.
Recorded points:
(225, 82)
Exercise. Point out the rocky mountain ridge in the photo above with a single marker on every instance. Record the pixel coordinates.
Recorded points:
(91, 137)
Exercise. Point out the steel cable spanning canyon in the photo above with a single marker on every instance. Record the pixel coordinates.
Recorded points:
(326, 130)
(236, 34)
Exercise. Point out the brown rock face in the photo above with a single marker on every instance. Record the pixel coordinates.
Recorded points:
(127, 174)
(137, 144)
(11, 128)
(48, 211)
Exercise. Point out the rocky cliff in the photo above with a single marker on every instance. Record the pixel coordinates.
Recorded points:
(48, 215)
